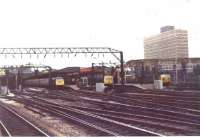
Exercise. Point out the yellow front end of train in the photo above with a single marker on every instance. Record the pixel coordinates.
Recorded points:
(59, 82)
(108, 80)
(166, 79)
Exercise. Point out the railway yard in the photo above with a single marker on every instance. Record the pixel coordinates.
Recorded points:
(96, 68)
(100, 100)
(135, 112)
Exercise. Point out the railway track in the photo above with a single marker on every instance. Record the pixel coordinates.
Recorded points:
(104, 125)
(147, 105)
(125, 104)
(181, 108)
(12, 124)
(93, 121)
(115, 106)
(156, 124)
(131, 110)
(186, 104)
(179, 127)
(170, 92)
(148, 100)
(4, 131)
(178, 105)
(146, 95)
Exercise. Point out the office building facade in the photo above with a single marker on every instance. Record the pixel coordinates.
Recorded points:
(170, 43)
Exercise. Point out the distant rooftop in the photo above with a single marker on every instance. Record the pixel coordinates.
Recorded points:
(166, 28)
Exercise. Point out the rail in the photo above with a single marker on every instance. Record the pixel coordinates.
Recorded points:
(4, 131)
(21, 121)
(91, 120)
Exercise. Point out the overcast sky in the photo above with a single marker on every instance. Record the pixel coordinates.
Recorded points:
(120, 24)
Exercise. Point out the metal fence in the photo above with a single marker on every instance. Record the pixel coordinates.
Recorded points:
(188, 75)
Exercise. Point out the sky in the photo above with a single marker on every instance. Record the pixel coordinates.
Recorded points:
(119, 24)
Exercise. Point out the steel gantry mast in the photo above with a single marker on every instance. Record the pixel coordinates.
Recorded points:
(20, 69)
(67, 50)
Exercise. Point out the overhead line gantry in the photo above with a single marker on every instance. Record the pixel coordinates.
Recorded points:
(67, 50)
